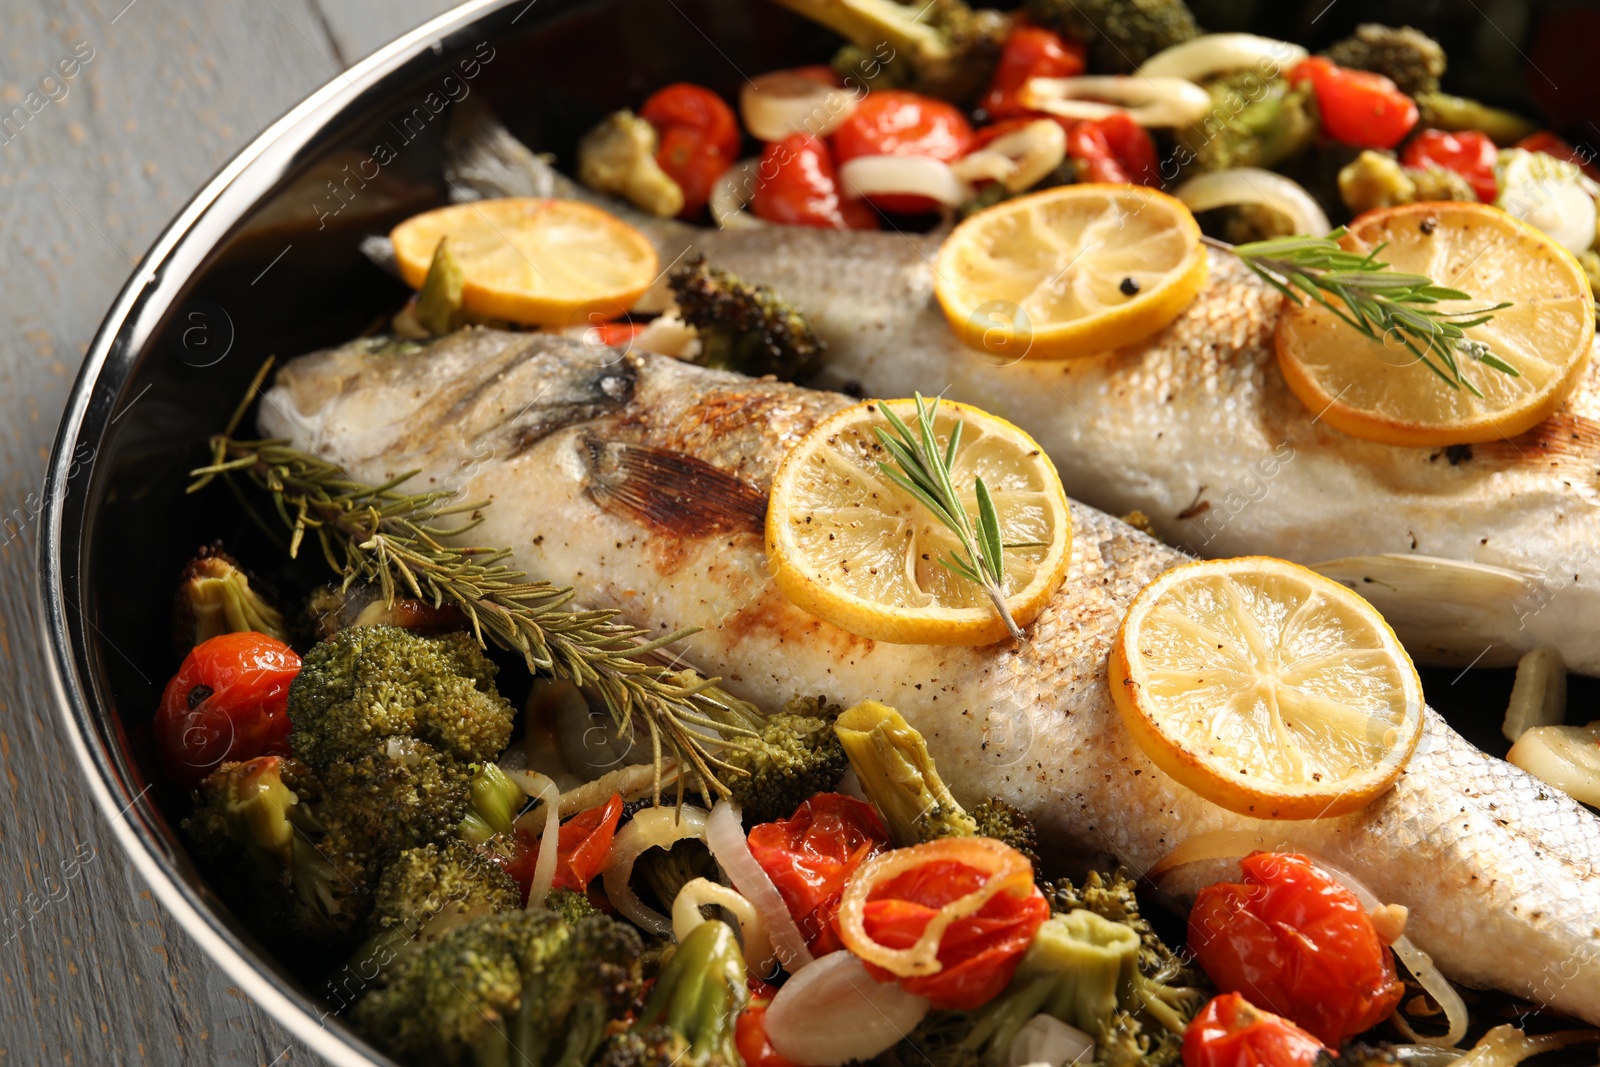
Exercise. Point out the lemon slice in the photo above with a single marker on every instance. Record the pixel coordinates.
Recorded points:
(1376, 390)
(1070, 271)
(1266, 688)
(533, 261)
(850, 546)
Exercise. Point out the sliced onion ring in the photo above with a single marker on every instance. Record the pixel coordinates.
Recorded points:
(834, 1012)
(698, 892)
(725, 838)
(1148, 101)
(1505, 1046)
(1252, 185)
(910, 175)
(542, 788)
(783, 102)
(1018, 160)
(1218, 53)
(650, 828)
(733, 193)
(1008, 871)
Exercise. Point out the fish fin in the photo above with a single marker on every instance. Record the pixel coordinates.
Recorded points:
(672, 492)
(1447, 612)
(483, 160)
(1566, 442)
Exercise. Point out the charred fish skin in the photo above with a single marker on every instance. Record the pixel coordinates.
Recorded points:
(1501, 874)
(1475, 555)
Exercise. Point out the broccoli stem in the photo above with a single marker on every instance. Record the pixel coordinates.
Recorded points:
(868, 23)
(496, 799)
(896, 772)
(700, 991)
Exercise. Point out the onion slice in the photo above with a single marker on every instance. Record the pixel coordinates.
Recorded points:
(783, 102)
(649, 828)
(834, 1012)
(1008, 871)
(542, 788)
(1148, 101)
(1505, 1045)
(725, 837)
(733, 193)
(1218, 53)
(1252, 185)
(910, 175)
(698, 892)
(1018, 160)
(1046, 1039)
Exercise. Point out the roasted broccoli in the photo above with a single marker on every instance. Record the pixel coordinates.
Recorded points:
(215, 597)
(1409, 58)
(941, 47)
(400, 793)
(1007, 824)
(1121, 33)
(1376, 179)
(619, 157)
(779, 760)
(372, 682)
(742, 327)
(668, 870)
(519, 987)
(1254, 122)
(689, 1015)
(495, 801)
(1441, 111)
(891, 762)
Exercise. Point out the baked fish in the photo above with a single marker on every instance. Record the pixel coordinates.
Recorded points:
(642, 481)
(1475, 555)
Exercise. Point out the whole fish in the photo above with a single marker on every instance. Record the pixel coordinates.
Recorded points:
(642, 482)
(1474, 554)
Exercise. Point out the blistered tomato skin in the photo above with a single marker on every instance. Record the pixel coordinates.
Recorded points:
(1358, 107)
(1230, 1032)
(699, 139)
(810, 855)
(1295, 942)
(890, 122)
(228, 701)
(798, 185)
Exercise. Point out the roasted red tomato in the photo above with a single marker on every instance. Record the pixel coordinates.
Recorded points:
(1551, 145)
(228, 701)
(1295, 942)
(1114, 149)
(750, 1038)
(1358, 107)
(580, 849)
(1230, 1032)
(797, 184)
(810, 855)
(890, 122)
(1470, 154)
(1030, 52)
(978, 954)
(699, 139)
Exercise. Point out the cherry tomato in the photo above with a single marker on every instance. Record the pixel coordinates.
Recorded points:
(1231, 1032)
(699, 139)
(615, 334)
(1295, 942)
(581, 848)
(810, 855)
(797, 184)
(890, 122)
(1358, 107)
(750, 1038)
(228, 701)
(1551, 145)
(1114, 149)
(979, 953)
(1470, 154)
(1030, 52)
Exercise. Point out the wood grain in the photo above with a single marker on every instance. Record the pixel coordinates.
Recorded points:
(161, 94)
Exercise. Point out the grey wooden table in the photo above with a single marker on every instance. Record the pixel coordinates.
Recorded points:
(92, 165)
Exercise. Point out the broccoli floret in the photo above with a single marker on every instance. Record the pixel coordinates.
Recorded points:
(1007, 824)
(619, 157)
(1437, 183)
(1111, 895)
(742, 327)
(1409, 58)
(571, 905)
(891, 762)
(1121, 33)
(1374, 180)
(781, 760)
(262, 812)
(516, 987)
(371, 682)
(667, 870)
(944, 48)
(495, 802)
(1441, 111)
(689, 1015)
(215, 597)
(398, 794)
(1253, 122)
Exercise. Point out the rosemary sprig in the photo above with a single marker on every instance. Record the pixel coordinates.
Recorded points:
(923, 470)
(384, 535)
(1374, 300)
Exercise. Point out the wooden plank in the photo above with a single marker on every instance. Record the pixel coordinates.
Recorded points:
(127, 108)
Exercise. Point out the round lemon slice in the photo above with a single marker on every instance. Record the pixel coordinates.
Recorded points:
(1070, 271)
(1266, 688)
(1378, 391)
(852, 547)
(533, 261)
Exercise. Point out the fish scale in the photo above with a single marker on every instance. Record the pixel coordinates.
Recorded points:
(1474, 555)
(1501, 873)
